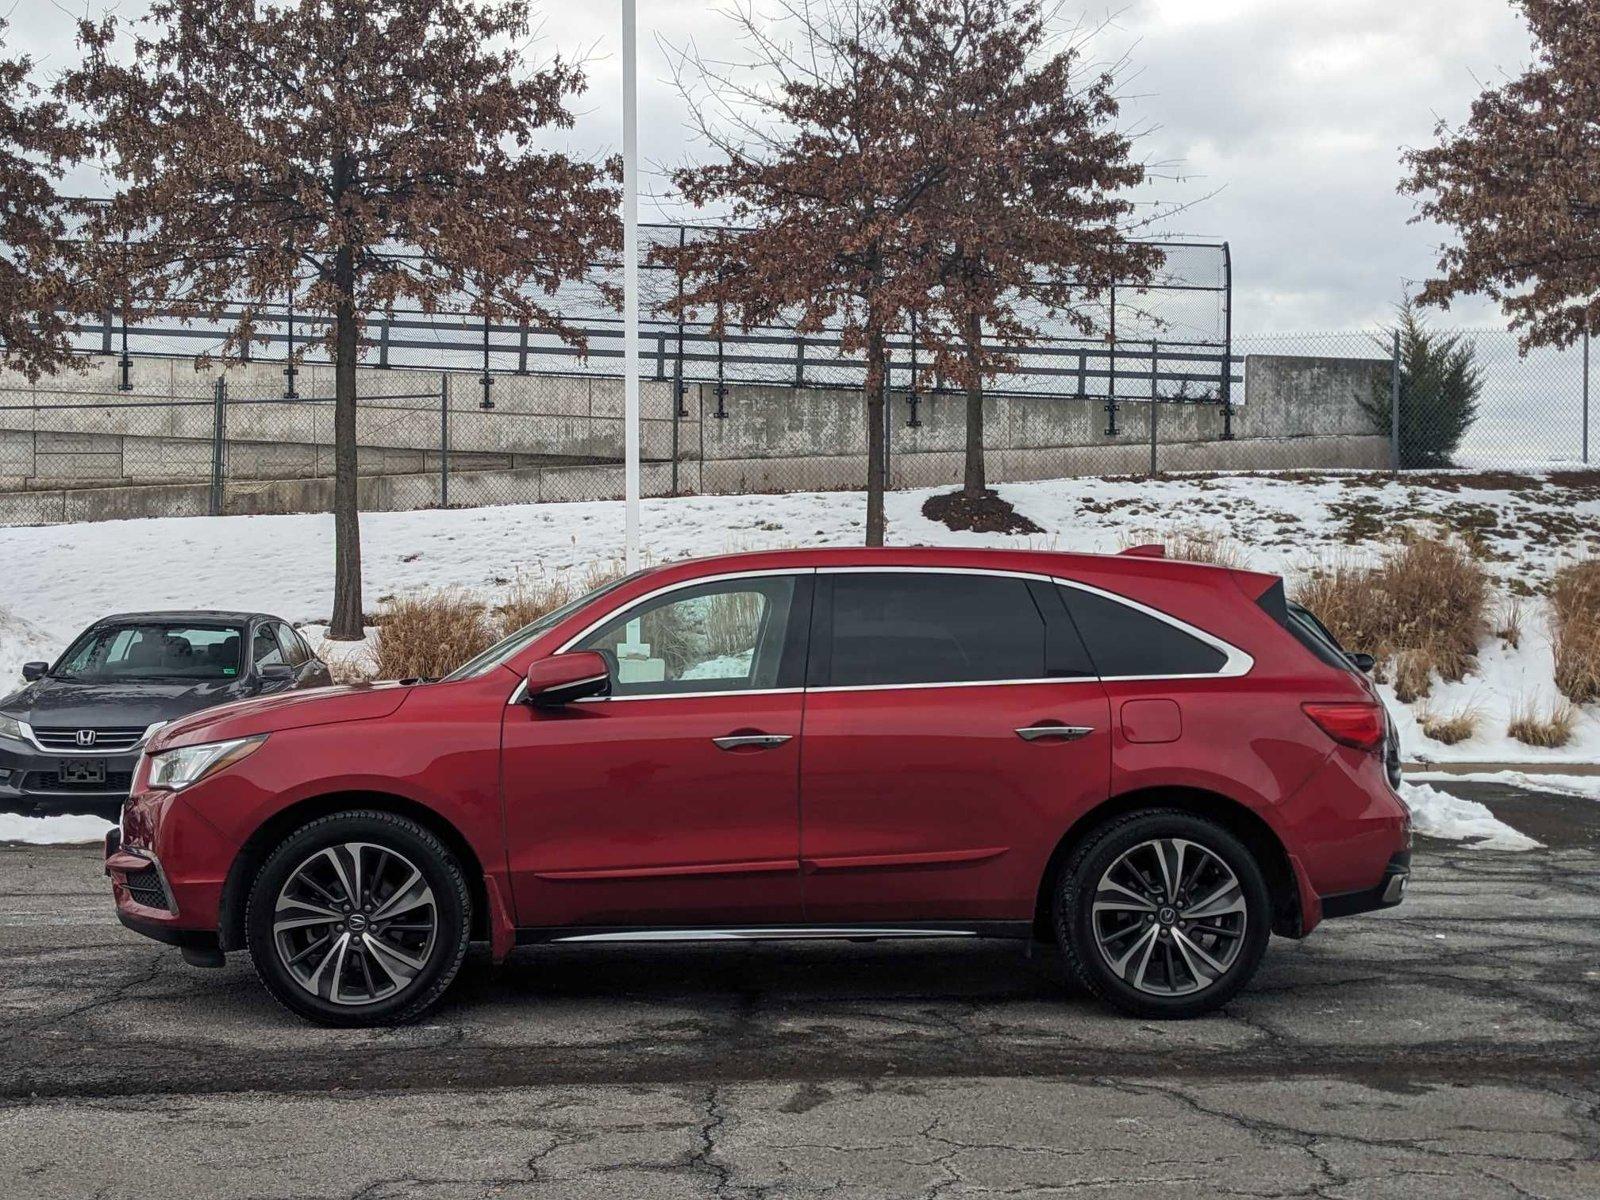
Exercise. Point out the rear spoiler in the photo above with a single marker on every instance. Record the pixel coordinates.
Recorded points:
(1147, 550)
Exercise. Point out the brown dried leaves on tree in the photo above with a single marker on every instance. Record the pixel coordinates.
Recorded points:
(898, 160)
(1029, 223)
(36, 281)
(810, 138)
(358, 154)
(1519, 184)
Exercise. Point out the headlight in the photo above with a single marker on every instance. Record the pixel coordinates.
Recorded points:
(11, 727)
(187, 765)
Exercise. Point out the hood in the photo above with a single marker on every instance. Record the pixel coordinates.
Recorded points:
(290, 710)
(65, 703)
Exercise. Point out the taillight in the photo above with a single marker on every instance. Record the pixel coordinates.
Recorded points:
(1358, 723)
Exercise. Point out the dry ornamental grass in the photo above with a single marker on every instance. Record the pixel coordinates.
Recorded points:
(1508, 624)
(1549, 728)
(430, 634)
(1575, 621)
(1422, 610)
(1189, 544)
(1449, 728)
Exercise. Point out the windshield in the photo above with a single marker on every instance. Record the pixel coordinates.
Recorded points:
(152, 650)
(506, 647)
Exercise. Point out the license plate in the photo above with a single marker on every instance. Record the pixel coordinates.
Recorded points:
(81, 770)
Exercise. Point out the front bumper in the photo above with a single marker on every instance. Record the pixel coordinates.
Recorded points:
(166, 865)
(1388, 892)
(37, 783)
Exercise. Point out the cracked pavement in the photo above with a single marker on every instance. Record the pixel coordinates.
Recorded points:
(1447, 1048)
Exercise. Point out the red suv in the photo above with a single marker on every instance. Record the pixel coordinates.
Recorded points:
(1154, 764)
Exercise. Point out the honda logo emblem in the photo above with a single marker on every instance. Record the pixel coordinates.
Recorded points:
(85, 737)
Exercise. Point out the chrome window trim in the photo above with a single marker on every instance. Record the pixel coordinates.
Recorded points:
(1236, 661)
(766, 573)
(794, 691)
(953, 683)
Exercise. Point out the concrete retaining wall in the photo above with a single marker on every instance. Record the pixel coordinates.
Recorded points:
(73, 448)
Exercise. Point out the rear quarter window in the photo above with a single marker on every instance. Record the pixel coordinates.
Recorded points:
(1123, 641)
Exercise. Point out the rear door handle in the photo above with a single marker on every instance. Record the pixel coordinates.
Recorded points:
(1064, 733)
(736, 741)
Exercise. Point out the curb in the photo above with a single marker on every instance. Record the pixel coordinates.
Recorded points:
(1496, 768)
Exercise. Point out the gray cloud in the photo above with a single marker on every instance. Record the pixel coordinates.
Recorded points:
(1293, 111)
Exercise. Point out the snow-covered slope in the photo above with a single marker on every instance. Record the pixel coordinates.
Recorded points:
(57, 578)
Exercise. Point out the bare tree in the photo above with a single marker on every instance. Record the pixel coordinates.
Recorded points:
(1519, 184)
(36, 285)
(357, 154)
(1029, 219)
(813, 164)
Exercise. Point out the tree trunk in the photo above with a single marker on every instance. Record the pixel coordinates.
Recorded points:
(974, 482)
(876, 381)
(347, 622)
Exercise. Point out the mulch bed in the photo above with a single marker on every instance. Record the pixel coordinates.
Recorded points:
(987, 514)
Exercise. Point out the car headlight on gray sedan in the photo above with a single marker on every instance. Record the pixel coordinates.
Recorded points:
(11, 728)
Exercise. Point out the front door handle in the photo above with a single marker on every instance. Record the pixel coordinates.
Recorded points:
(737, 741)
(1064, 733)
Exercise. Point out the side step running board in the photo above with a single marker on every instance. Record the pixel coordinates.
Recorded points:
(771, 933)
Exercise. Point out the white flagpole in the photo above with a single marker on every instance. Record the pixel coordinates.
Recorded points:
(630, 283)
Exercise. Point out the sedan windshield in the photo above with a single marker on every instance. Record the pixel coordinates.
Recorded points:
(152, 650)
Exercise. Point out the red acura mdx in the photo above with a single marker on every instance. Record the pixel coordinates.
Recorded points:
(1155, 764)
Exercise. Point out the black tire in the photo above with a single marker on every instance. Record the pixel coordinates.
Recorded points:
(1088, 962)
(406, 843)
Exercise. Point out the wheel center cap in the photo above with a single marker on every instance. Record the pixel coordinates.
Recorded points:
(358, 922)
(1167, 915)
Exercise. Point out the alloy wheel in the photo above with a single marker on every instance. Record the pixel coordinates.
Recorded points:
(1169, 917)
(355, 923)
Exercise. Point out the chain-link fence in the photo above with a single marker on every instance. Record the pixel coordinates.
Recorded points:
(1459, 397)
(164, 438)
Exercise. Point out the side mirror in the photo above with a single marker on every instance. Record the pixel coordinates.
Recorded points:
(563, 678)
(1362, 662)
(35, 670)
(275, 673)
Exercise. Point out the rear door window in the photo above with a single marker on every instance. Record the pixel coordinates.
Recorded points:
(293, 648)
(907, 627)
(1123, 641)
(264, 648)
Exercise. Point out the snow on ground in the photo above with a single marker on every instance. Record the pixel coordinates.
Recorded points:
(1586, 786)
(58, 578)
(52, 831)
(1441, 815)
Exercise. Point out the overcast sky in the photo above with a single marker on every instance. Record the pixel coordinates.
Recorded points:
(1292, 111)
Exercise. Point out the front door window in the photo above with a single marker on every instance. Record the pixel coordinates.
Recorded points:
(722, 636)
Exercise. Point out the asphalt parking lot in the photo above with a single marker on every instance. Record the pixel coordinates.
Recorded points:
(1450, 1048)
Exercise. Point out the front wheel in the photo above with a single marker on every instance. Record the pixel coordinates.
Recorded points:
(1163, 914)
(359, 918)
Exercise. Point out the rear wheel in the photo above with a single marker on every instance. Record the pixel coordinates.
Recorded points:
(1163, 913)
(360, 918)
